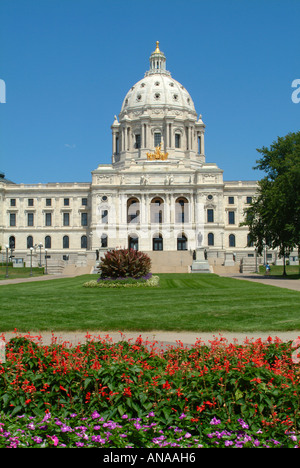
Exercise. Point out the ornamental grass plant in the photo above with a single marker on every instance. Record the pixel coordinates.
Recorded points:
(137, 394)
(124, 263)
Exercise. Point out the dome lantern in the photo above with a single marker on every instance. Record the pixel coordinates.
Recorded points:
(157, 62)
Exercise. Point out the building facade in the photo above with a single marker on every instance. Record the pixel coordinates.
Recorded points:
(158, 194)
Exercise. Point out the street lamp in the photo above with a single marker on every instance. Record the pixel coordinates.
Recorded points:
(256, 264)
(6, 248)
(31, 251)
(46, 272)
(40, 247)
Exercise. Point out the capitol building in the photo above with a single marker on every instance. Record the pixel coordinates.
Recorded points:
(157, 194)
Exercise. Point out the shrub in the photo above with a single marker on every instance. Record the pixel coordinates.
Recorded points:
(124, 263)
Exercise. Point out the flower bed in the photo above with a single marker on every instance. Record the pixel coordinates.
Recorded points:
(146, 281)
(135, 394)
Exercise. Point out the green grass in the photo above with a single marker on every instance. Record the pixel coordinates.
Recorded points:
(19, 272)
(198, 302)
(292, 271)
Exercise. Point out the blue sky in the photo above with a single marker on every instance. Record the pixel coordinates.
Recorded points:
(67, 65)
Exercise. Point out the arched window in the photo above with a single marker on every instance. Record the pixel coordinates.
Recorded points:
(12, 242)
(48, 242)
(181, 242)
(157, 208)
(66, 242)
(84, 242)
(158, 242)
(133, 210)
(210, 239)
(182, 210)
(29, 242)
(133, 242)
(104, 241)
(231, 240)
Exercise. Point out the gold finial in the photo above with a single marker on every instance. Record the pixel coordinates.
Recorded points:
(157, 51)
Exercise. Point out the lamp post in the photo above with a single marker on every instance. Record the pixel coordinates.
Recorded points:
(40, 247)
(6, 248)
(46, 272)
(256, 264)
(31, 251)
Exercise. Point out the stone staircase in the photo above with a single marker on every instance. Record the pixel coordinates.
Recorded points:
(55, 267)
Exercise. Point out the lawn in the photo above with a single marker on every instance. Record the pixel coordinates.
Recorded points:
(182, 302)
(292, 271)
(20, 272)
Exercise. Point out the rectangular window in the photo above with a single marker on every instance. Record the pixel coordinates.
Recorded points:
(231, 200)
(177, 140)
(231, 217)
(30, 219)
(84, 201)
(157, 139)
(66, 201)
(66, 219)
(30, 201)
(48, 201)
(210, 216)
(248, 200)
(48, 219)
(12, 202)
(84, 219)
(12, 219)
(137, 141)
(104, 216)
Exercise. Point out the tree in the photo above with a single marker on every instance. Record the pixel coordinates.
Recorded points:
(274, 214)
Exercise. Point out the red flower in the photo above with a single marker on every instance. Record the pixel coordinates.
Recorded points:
(166, 385)
(127, 392)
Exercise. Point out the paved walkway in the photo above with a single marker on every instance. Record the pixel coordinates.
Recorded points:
(33, 278)
(278, 281)
(163, 338)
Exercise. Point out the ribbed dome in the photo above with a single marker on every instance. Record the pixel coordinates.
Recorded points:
(157, 89)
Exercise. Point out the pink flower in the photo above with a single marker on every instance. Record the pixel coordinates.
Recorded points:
(54, 440)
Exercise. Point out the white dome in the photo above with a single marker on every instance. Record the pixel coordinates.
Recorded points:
(157, 89)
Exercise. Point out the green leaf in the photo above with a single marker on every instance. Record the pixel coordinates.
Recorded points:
(87, 382)
(238, 395)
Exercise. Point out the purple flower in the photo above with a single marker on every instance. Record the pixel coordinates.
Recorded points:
(65, 428)
(46, 417)
(98, 439)
(228, 443)
(95, 415)
(215, 421)
(37, 440)
(243, 424)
